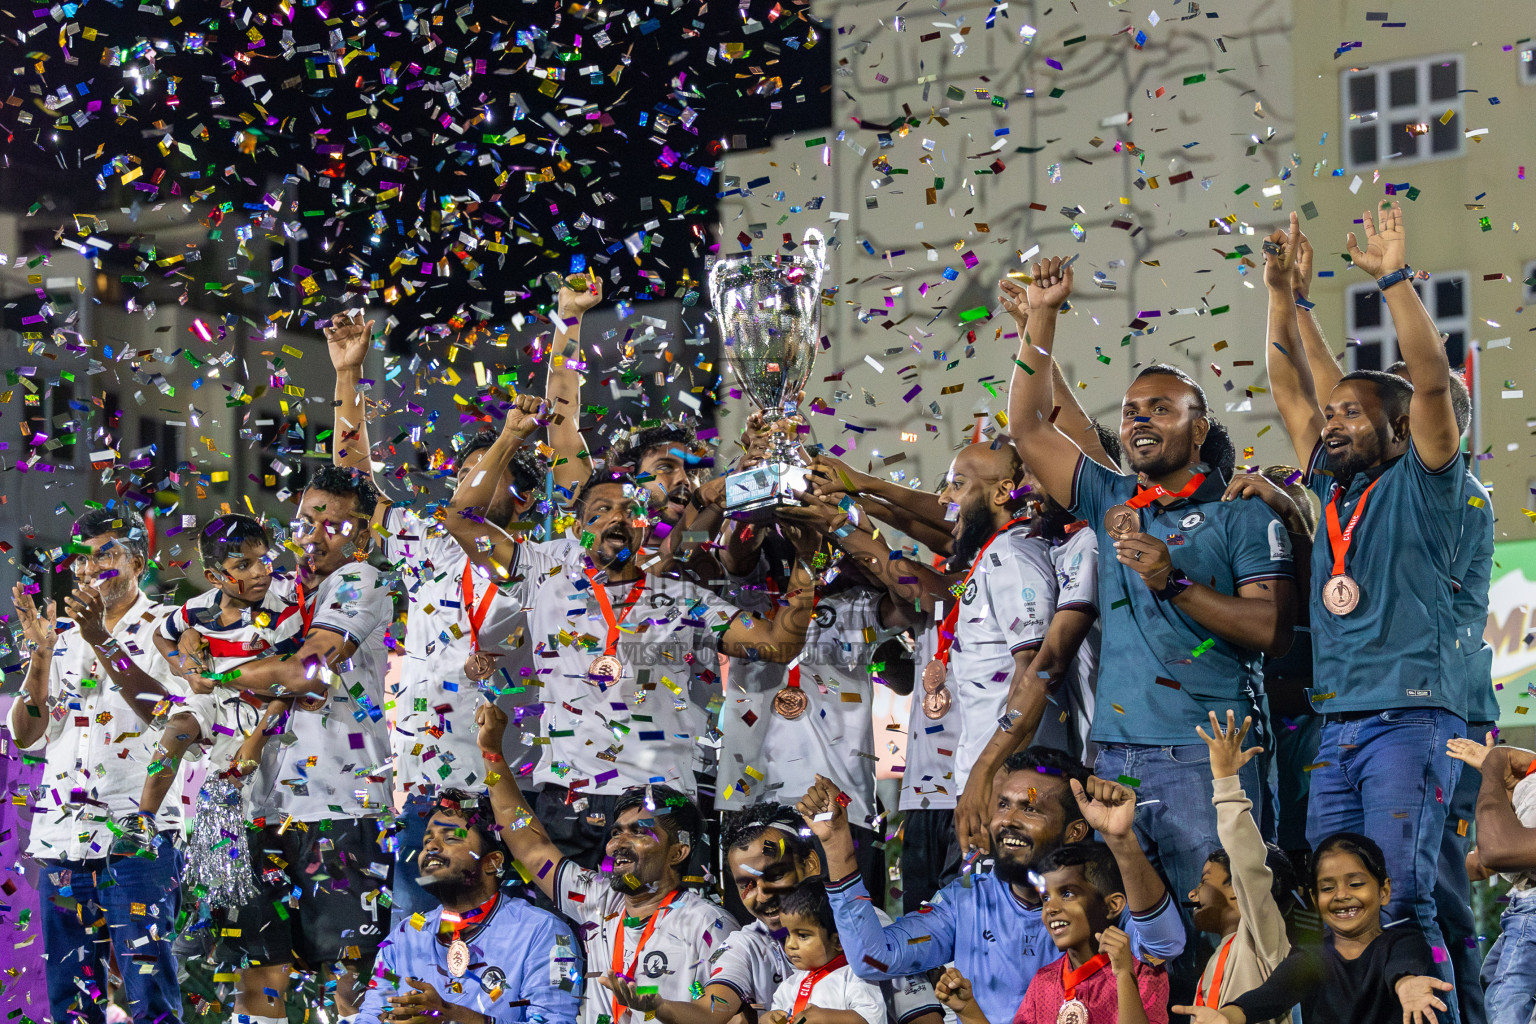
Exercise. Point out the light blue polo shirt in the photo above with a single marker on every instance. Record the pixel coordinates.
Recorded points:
(1398, 648)
(1164, 670)
(1471, 570)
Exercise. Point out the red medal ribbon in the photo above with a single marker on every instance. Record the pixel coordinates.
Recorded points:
(469, 918)
(476, 614)
(1214, 999)
(794, 667)
(1071, 979)
(645, 936)
(306, 613)
(803, 997)
(601, 593)
(952, 617)
(1340, 543)
(1145, 496)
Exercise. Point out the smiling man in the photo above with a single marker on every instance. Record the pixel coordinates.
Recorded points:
(989, 925)
(482, 956)
(1192, 589)
(637, 921)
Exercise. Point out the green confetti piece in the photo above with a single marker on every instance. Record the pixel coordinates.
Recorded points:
(1204, 646)
(1126, 780)
(973, 314)
(1194, 79)
(1244, 187)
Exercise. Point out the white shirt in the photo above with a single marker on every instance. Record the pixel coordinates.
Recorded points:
(675, 957)
(645, 727)
(837, 990)
(95, 744)
(435, 694)
(835, 736)
(1524, 800)
(752, 964)
(927, 777)
(333, 761)
(1004, 609)
(1076, 561)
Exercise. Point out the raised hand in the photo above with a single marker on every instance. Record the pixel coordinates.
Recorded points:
(973, 813)
(1226, 745)
(493, 726)
(1052, 285)
(1417, 994)
(1108, 807)
(1279, 258)
(1386, 245)
(347, 338)
(1015, 300)
(1116, 945)
(628, 994)
(832, 476)
(581, 293)
(1301, 269)
(38, 625)
(89, 611)
(526, 414)
(822, 810)
(953, 989)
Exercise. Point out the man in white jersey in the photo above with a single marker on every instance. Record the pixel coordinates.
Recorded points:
(90, 691)
(627, 665)
(636, 919)
(323, 791)
(451, 606)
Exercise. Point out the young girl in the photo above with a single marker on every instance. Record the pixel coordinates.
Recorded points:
(1081, 894)
(823, 989)
(1362, 974)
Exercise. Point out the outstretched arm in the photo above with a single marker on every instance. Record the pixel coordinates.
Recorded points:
(1049, 453)
(29, 711)
(1325, 368)
(919, 514)
(1290, 378)
(1073, 420)
(308, 671)
(523, 833)
(1431, 418)
(781, 638)
(347, 340)
(572, 464)
(487, 544)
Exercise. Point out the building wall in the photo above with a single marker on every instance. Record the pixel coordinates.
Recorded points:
(1158, 245)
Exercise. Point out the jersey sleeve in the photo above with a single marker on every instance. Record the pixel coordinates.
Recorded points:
(578, 892)
(549, 991)
(744, 964)
(1156, 935)
(1077, 573)
(1441, 489)
(910, 998)
(356, 606)
(1259, 544)
(915, 942)
(1298, 974)
(1093, 491)
(1021, 591)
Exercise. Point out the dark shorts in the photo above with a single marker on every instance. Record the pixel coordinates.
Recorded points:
(339, 872)
(930, 855)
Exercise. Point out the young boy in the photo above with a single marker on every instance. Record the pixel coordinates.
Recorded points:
(823, 982)
(1081, 893)
(1245, 883)
(222, 629)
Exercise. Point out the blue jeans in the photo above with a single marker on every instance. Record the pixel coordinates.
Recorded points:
(72, 891)
(1175, 820)
(1453, 890)
(406, 896)
(1386, 775)
(1509, 973)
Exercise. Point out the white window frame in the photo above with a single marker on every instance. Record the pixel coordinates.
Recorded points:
(1386, 336)
(1424, 111)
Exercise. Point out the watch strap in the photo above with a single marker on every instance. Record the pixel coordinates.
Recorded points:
(1403, 273)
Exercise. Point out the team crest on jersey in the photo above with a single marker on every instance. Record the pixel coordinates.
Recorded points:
(655, 964)
(970, 592)
(491, 979)
(1192, 520)
(825, 616)
(662, 601)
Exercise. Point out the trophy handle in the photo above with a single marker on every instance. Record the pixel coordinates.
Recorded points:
(813, 239)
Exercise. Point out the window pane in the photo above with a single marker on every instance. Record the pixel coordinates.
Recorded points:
(1365, 306)
(1456, 349)
(1403, 87)
(1443, 80)
(1362, 145)
(1449, 299)
(1444, 138)
(1362, 94)
(1399, 142)
(1368, 356)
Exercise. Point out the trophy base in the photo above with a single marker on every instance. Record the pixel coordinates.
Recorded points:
(753, 494)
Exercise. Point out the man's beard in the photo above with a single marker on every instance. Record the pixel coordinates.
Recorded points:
(976, 527)
(1015, 871)
(1168, 461)
(1357, 459)
(453, 888)
(116, 590)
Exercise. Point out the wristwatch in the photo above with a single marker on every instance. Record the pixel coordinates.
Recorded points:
(1403, 273)
(1175, 586)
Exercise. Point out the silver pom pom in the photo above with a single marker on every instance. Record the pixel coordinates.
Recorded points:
(218, 852)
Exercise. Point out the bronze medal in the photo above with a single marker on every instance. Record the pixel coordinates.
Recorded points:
(1341, 594)
(936, 704)
(480, 666)
(1122, 521)
(790, 703)
(458, 958)
(604, 670)
(933, 676)
(1073, 1011)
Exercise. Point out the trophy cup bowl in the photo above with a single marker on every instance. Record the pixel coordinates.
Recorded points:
(768, 309)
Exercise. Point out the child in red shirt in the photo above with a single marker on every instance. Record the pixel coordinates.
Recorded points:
(1097, 980)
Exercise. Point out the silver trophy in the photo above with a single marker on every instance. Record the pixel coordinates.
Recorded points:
(768, 309)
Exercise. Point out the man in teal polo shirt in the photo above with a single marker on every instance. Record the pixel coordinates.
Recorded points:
(1193, 589)
(1384, 457)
